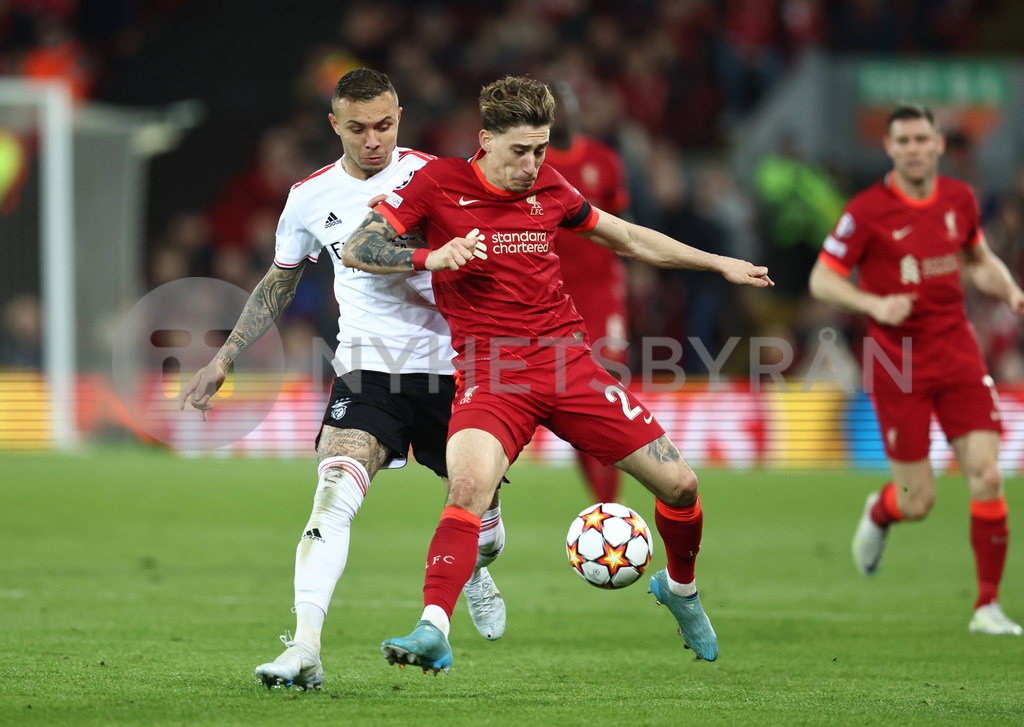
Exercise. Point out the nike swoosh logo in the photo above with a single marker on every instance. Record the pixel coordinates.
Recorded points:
(648, 419)
(901, 233)
(463, 201)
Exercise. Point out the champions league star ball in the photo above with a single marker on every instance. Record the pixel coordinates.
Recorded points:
(609, 545)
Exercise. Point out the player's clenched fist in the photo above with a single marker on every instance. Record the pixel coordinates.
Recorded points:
(892, 310)
(740, 272)
(455, 253)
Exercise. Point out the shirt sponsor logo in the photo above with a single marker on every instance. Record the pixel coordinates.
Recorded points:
(933, 267)
(912, 271)
(518, 242)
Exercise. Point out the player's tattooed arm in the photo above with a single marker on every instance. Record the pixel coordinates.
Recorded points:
(269, 300)
(371, 247)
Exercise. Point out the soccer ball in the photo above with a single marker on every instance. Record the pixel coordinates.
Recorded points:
(609, 545)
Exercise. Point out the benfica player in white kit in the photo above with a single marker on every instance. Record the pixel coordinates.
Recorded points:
(395, 386)
(911, 236)
(523, 355)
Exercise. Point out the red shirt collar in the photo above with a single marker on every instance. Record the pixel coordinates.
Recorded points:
(908, 200)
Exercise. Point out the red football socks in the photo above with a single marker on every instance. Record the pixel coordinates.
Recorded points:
(989, 538)
(885, 511)
(451, 558)
(680, 529)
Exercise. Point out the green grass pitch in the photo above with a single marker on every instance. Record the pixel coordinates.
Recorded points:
(140, 588)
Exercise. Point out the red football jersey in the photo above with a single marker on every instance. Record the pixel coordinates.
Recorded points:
(513, 286)
(594, 276)
(904, 245)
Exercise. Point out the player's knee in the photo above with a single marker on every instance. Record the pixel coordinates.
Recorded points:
(918, 507)
(986, 483)
(339, 494)
(464, 491)
(682, 491)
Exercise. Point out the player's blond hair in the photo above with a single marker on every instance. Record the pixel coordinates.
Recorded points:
(516, 101)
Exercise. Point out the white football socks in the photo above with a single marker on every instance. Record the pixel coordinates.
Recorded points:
(492, 539)
(437, 616)
(323, 549)
(681, 589)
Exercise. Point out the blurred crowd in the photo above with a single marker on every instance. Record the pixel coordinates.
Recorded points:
(665, 82)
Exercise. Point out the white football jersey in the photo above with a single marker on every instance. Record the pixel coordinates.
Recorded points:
(387, 323)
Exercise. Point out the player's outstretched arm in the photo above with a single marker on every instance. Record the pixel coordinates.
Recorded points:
(269, 300)
(650, 246)
(371, 248)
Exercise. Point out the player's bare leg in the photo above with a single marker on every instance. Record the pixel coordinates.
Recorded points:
(977, 453)
(476, 463)
(678, 516)
(909, 496)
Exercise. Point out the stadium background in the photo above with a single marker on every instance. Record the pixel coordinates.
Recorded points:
(140, 586)
(744, 126)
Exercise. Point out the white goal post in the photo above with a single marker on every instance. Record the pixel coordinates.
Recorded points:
(50, 104)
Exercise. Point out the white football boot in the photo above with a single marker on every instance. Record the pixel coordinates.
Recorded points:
(990, 619)
(868, 541)
(486, 606)
(298, 665)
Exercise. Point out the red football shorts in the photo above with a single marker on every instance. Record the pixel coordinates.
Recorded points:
(963, 405)
(577, 400)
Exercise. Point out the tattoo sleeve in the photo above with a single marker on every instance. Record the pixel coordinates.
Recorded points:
(662, 450)
(371, 247)
(268, 301)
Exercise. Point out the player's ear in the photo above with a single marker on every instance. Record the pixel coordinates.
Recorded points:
(887, 144)
(941, 142)
(398, 117)
(486, 140)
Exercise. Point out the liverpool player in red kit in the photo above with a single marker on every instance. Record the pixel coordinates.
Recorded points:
(522, 353)
(593, 277)
(908, 236)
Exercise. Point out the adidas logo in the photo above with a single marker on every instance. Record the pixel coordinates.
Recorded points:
(332, 220)
(313, 534)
